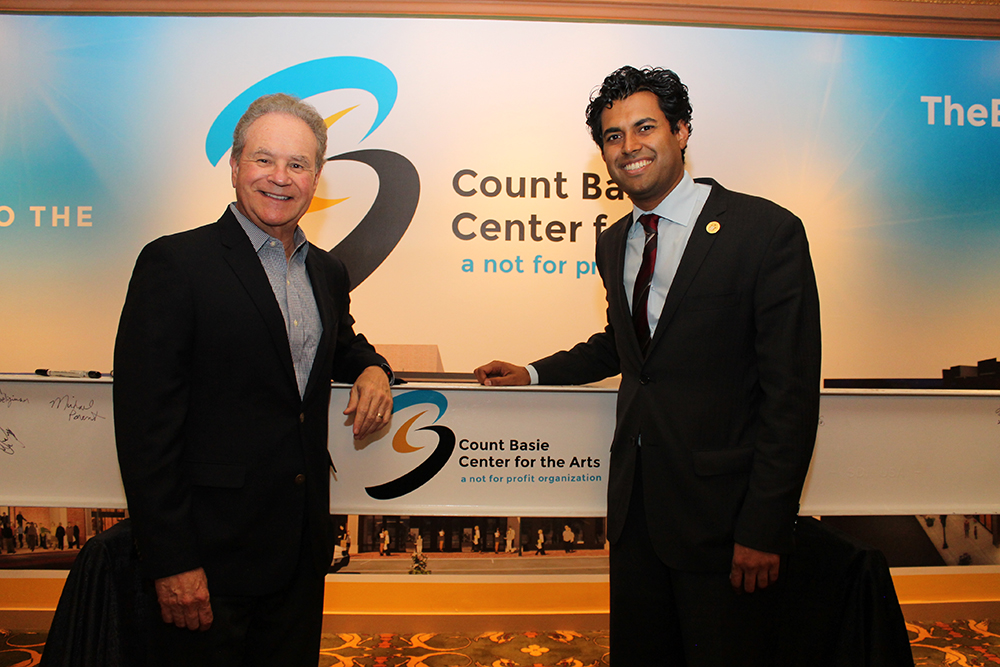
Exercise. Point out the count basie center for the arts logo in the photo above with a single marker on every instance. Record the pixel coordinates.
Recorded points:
(513, 461)
(371, 241)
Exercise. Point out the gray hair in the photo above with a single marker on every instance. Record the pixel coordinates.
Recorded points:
(290, 106)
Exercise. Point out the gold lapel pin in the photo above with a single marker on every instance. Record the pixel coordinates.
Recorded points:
(713, 227)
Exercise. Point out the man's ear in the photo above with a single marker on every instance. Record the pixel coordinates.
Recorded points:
(234, 165)
(682, 133)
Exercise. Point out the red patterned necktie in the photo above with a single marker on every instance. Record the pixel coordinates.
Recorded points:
(643, 280)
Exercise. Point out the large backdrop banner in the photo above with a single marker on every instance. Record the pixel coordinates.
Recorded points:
(463, 190)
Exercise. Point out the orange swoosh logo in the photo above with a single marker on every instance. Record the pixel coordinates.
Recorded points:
(399, 442)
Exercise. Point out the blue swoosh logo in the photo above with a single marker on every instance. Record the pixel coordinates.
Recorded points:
(418, 396)
(305, 80)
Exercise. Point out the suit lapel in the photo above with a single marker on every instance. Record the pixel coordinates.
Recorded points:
(697, 248)
(238, 253)
(327, 314)
(618, 269)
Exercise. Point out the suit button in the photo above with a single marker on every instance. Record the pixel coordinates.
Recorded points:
(300, 479)
(643, 379)
(302, 418)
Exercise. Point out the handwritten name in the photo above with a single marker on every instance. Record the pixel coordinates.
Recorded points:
(7, 441)
(76, 411)
(8, 400)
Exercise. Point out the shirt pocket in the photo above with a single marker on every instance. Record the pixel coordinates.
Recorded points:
(710, 301)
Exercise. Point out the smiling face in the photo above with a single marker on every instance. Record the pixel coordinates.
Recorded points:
(642, 155)
(276, 176)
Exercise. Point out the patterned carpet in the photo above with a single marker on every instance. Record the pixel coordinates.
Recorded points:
(961, 643)
(491, 649)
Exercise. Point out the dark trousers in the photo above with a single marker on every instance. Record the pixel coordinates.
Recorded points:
(278, 629)
(661, 616)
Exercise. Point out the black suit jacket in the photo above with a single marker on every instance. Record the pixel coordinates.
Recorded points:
(726, 397)
(224, 465)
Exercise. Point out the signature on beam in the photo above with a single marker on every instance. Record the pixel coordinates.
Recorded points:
(8, 440)
(76, 410)
(8, 400)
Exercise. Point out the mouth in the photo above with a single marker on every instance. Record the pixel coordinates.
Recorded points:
(637, 165)
(270, 195)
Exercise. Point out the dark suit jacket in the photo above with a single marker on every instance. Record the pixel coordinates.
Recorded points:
(726, 398)
(224, 465)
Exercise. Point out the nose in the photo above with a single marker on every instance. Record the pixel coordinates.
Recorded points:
(630, 143)
(279, 174)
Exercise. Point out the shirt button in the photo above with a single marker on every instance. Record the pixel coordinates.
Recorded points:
(300, 479)
(302, 418)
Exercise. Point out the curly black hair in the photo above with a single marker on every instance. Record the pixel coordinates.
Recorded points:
(626, 81)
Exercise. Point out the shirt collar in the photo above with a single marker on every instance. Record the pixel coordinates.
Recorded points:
(676, 207)
(258, 237)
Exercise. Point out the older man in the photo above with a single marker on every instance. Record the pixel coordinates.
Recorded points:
(227, 343)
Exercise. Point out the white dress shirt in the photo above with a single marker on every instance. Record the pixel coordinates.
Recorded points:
(678, 212)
